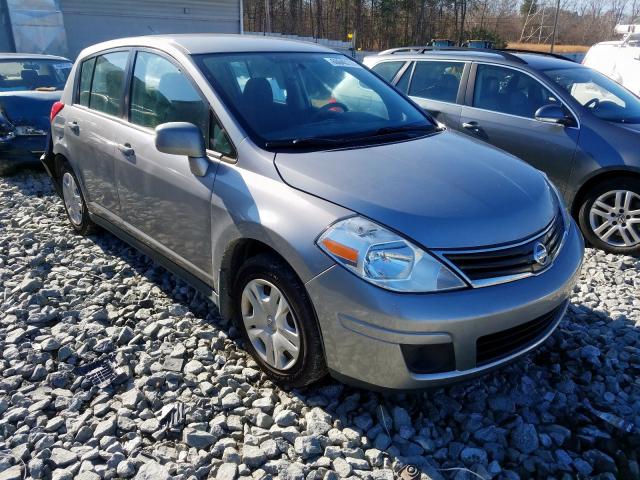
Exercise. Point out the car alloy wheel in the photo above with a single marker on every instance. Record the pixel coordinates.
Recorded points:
(615, 218)
(270, 323)
(72, 199)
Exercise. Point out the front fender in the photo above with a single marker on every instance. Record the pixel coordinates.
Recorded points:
(259, 208)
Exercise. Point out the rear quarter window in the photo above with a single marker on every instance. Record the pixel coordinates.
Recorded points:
(84, 88)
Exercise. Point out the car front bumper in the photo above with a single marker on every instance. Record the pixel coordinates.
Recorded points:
(378, 338)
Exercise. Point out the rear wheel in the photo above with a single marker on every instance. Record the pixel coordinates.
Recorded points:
(278, 323)
(74, 203)
(610, 216)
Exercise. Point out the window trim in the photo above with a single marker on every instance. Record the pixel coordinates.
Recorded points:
(212, 114)
(76, 90)
(460, 94)
(408, 70)
(468, 101)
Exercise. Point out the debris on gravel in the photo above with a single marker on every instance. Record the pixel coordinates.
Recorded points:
(110, 367)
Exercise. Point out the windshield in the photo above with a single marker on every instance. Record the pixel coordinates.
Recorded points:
(298, 97)
(602, 96)
(29, 74)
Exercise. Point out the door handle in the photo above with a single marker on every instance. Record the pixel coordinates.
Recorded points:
(74, 127)
(470, 125)
(126, 149)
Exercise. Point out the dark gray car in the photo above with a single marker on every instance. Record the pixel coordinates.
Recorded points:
(334, 221)
(571, 122)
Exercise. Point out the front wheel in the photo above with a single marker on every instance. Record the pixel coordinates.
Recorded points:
(278, 323)
(609, 216)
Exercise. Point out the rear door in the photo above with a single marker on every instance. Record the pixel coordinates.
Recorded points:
(166, 205)
(500, 110)
(438, 87)
(91, 123)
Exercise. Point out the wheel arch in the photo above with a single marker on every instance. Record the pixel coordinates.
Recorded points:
(238, 252)
(597, 179)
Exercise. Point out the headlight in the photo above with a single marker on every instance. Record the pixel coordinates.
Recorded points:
(385, 259)
(566, 217)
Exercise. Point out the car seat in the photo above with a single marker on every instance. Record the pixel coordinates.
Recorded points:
(258, 104)
(29, 78)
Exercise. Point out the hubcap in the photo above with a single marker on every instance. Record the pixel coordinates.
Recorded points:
(615, 218)
(72, 199)
(270, 323)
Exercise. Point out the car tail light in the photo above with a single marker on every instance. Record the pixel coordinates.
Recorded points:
(55, 110)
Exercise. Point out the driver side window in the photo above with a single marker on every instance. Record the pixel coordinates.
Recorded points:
(509, 91)
(161, 93)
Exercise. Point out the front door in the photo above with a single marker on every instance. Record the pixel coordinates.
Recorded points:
(162, 200)
(502, 113)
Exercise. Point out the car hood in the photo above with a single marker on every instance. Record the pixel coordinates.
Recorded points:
(442, 191)
(28, 108)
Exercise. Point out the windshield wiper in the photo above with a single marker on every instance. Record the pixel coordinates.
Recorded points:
(306, 142)
(405, 128)
(339, 141)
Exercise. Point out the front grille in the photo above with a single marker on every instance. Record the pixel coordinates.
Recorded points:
(495, 346)
(507, 261)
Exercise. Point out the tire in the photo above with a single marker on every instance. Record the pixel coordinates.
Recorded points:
(264, 272)
(602, 208)
(78, 217)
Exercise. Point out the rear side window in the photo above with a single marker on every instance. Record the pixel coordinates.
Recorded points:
(436, 80)
(509, 91)
(161, 93)
(86, 74)
(108, 82)
(387, 70)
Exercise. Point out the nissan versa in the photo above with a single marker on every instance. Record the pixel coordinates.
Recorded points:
(343, 235)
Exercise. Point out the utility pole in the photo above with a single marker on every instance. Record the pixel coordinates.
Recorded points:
(555, 27)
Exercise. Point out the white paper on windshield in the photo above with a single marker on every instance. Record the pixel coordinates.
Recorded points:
(341, 62)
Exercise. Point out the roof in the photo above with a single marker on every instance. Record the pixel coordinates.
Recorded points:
(537, 61)
(30, 56)
(198, 43)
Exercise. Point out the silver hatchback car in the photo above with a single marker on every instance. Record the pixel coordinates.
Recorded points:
(341, 228)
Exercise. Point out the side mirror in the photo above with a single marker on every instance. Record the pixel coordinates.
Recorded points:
(554, 113)
(182, 138)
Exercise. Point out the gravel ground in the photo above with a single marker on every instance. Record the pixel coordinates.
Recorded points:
(185, 401)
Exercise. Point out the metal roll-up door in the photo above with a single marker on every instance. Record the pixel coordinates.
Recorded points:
(90, 21)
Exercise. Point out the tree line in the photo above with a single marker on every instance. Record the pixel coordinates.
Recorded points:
(380, 24)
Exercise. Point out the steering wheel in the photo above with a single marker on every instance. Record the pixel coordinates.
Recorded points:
(332, 108)
(594, 103)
